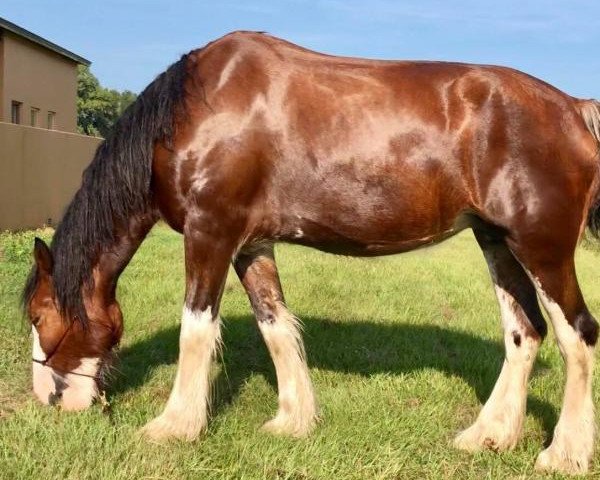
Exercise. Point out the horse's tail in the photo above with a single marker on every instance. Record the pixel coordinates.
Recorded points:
(590, 112)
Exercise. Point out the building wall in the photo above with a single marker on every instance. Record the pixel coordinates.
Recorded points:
(39, 78)
(40, 171)
(1, 76)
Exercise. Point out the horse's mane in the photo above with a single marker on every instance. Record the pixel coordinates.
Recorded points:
(115, 187)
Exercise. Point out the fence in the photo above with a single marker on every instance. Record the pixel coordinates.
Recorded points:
(40, 170)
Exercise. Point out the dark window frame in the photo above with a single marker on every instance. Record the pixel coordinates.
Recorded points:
(34, 116)
(15, 112)
(51, 120)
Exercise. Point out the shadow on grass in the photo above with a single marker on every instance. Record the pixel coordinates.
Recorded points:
(363, 348)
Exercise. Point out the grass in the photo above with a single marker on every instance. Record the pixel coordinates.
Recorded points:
(402, 350)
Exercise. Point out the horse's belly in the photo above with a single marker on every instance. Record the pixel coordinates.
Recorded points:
(377, 234)
(353, 247)
(368, 211)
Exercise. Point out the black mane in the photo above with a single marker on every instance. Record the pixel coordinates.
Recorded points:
(115, 187)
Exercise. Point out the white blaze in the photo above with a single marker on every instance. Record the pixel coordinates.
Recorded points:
(43, 383)
(77, 391)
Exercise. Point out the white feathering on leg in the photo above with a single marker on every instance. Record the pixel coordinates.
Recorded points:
(297, 412)
(186, 413)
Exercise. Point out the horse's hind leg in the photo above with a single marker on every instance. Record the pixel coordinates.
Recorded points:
(552, 268)
(500, 422)
(281, 331)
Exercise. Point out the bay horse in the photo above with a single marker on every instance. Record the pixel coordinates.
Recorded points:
(252, 140)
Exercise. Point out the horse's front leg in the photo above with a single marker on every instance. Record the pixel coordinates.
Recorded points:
(499, 425)
(207, 260)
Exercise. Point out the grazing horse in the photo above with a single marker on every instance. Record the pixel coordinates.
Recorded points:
(252, 140)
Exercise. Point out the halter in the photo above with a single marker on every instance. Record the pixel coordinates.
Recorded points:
(45, 362)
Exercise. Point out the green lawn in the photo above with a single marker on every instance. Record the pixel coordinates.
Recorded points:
(402, 351)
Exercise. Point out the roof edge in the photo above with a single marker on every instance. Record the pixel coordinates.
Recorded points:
(21, 32)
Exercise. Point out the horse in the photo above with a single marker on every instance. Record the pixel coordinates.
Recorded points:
(252, 140)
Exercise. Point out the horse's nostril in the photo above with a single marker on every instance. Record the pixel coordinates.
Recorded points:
(54, 398)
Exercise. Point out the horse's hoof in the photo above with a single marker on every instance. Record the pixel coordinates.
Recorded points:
(288, 426)
(163, 428)
(491, 437)
(558, 459)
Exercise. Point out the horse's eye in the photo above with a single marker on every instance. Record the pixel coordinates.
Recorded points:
(35, 321)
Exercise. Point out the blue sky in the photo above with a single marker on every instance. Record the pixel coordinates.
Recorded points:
(130, 41)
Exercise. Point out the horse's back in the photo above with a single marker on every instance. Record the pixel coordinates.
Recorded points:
(321, 149)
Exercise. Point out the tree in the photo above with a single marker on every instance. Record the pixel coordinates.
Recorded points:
(98, 108)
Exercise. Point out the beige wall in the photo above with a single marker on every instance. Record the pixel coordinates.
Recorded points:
(1, 76)
(40, 170)
(39, 78)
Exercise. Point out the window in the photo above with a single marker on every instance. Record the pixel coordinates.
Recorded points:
(34, 116)
(15, 112)
(51, 117)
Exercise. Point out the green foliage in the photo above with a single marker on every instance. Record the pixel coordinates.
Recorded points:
(16, 257)
(15, 247)
(98, 108)
(589, 242)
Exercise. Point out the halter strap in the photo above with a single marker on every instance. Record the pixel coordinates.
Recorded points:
(45, 364)
(57, 346)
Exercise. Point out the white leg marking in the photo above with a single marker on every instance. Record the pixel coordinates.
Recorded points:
(572, 446)
(500, 421)
(297, 413)
(186, 413)
(77, 392)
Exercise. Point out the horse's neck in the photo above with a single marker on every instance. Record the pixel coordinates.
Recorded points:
(113, 261)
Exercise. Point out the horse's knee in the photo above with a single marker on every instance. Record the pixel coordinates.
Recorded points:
(265, 309)
(587, 327)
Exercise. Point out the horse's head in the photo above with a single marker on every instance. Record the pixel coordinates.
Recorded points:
(70, 356)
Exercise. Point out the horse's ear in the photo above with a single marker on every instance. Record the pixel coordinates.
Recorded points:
(43, 256)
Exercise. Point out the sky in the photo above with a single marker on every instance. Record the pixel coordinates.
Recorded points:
(130, 41)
